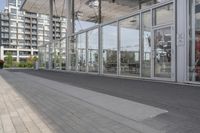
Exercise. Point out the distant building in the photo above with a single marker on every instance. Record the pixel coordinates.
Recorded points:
(22, 32)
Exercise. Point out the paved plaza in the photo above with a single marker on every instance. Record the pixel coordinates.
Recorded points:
(54, 102)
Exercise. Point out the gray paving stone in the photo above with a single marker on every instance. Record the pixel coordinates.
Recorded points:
(39, 103)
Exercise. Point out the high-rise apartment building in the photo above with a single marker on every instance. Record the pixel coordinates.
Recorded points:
(22, 32)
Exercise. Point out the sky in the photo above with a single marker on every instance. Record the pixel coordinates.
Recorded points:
(2, 4)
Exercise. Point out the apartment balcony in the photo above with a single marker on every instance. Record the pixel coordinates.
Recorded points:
(4, 30)
(21, 26)
(34, 21)
(26, 48)
(27, 44)
(56, 19)
(34, 27)
(27, 26)
(10, 48)
(21, 38)
(31, 15)
(24, 55)
(21, 31)
(57, 30)
(27, 38)
(4, 17)
(13, 31)
(57, 35)
(14, 44)
(4, 36)
(34, 46)
(34, 39)
(27, 21)
(27, 32)
(5, 42)
(5, 24)
(35, 33)
(57, 25)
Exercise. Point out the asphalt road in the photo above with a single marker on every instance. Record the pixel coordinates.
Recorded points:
(182, 101)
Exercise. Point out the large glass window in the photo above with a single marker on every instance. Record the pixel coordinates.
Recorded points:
(81, 48)
(194, 43)
(56, 55)
(72, 53)
(63, 54)
(162, 52)
(146, 44)
(109, 44)
(146, 3)
(130, 46)
(93, 51)
(164, 15)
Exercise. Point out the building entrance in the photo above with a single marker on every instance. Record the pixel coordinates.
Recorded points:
(163, 53)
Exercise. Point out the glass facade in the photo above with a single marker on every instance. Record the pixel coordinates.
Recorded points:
(137, 45)
(92, 12)
(81, 52)
(146, 44)
(162, 48)
(72, 53)
(109, 48)
(93, 51)
(130, 46)
(194, 41)
(163, 15)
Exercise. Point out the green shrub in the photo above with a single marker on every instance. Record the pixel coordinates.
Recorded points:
(9, 59)
(29, 64)
(6, 65)
(21, 64)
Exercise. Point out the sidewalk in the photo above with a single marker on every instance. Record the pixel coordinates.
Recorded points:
(37, 105)
(16, 116)
(77, 103)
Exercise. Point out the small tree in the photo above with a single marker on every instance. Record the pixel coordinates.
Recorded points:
(9, 60)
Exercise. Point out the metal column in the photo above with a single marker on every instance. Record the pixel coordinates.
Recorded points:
(50, 33)
(181, 40)
(70, 23)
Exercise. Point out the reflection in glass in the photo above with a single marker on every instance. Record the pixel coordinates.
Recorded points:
(146, 44)
(147, 3)
(47, 56)
(163, 15)
(42, 59)
(81, 48)
(162, 57)
(87, 11)
(129, 46)
(63, 54)
(194, 44)
(72, 53)
(109, 44)
(56, 56)
(93, 47)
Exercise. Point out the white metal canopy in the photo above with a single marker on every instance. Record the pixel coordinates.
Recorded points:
(84, 9)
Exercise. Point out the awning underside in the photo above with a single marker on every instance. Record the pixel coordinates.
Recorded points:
(84, 9)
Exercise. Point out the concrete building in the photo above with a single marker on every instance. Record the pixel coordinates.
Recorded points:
(22, 32)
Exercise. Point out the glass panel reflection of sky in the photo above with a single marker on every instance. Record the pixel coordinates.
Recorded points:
(93, 39)
(130, 39)
(109, 37)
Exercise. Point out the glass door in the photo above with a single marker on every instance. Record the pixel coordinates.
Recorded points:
(163, 53)
(163, 43)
